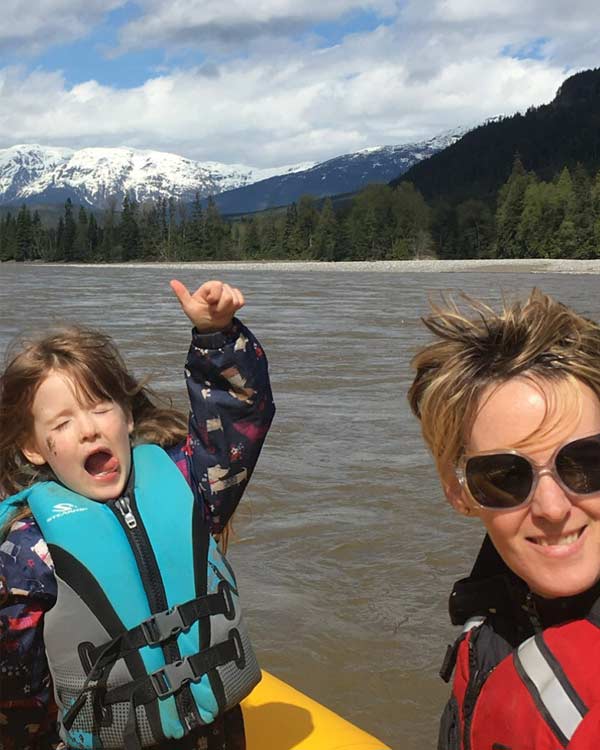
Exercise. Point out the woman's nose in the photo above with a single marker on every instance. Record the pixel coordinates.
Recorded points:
(549, 500)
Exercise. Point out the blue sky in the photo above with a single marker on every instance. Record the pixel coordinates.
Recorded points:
(278, 81)
(97, 56)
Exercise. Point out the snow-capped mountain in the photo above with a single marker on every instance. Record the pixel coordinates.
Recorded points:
(21, 165)
(94, 176)
(342, 174)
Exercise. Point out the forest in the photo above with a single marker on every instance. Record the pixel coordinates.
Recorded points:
(528, 218)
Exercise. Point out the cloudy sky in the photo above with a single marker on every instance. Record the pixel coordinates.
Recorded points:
(274, 82)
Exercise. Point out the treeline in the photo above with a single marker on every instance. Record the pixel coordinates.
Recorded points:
(531, 218)
(378, 223)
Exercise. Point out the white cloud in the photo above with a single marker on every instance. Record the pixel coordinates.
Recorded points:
(437, 65)
(31, 28)
(210, 22)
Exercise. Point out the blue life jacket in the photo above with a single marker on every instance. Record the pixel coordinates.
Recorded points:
(145, 642)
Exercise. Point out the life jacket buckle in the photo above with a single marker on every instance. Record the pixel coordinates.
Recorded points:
(167, 680)
(163, 625)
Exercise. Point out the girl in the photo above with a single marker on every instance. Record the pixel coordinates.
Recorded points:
(509, 405)
(69, 411)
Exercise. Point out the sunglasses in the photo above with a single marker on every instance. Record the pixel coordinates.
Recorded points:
(507, 479)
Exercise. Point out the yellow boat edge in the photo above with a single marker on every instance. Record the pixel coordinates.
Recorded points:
(279, 717)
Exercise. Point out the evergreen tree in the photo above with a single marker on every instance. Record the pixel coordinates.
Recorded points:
(326, 234)
(70, 230)
(40, 238)
(595, 204)
(110, 248)
(307, 223)
(151, 239)
(60, 240)
(24, 235)
(567, 245)
(409, 221)
(530, 232)
(214, 231)
(444, 230)
(508, 214)
(252, 242)
(81, 249)
(93, 237)
(269, 236)
(195, 241)
(291, 243)
(583, 218)
(8, 238)
(129, 233)
(475, 223)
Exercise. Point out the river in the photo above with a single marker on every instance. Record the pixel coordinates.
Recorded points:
(346, 551)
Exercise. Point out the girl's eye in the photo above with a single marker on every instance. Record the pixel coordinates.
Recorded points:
(61, 425)
(102, 409)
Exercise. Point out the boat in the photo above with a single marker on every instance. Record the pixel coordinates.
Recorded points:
(279, 717)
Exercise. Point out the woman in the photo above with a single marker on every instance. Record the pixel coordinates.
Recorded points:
(509, 405)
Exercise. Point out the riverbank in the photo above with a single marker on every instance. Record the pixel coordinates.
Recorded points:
(520, 265)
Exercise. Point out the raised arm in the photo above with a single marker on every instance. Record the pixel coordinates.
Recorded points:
(230, 395)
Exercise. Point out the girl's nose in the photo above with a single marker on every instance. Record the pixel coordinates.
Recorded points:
(549, 500)
(88, 429)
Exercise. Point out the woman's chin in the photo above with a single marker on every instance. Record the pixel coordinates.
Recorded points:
(558, 589)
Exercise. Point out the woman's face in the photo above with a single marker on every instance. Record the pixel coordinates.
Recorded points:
(553, 543)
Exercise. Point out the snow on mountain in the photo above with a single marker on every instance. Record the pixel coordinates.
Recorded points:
(342, 174)
(21, 164)
(97, 176)
(94, 176)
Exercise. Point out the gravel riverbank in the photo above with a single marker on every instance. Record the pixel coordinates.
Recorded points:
(525, 265)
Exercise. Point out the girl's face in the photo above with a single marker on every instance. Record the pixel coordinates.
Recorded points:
(553, 543)
(85, 444)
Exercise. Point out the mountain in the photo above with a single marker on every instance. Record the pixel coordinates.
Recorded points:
(342, 174)
(562, 133)
(94, 176)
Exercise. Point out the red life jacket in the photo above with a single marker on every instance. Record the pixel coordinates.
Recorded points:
(509, 671)
(544, 695)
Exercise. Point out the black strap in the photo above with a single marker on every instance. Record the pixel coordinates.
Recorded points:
(156, 629)
(450, 659)
(164, 625)
(172, 677)
(131, 740)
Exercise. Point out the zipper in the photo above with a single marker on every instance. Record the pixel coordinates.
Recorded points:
(124, 508)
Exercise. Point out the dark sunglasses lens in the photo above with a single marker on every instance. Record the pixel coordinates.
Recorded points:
(578, 465)
(501, 480)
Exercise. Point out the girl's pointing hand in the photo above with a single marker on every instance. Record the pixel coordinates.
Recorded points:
(212, 306)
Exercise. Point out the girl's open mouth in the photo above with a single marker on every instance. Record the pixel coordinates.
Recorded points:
(101, 464)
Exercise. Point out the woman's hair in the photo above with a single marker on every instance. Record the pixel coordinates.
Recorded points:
(541, 339)
(92, 361)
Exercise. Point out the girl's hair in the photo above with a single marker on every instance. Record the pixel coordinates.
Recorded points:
(92, 361)
(541, 339)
